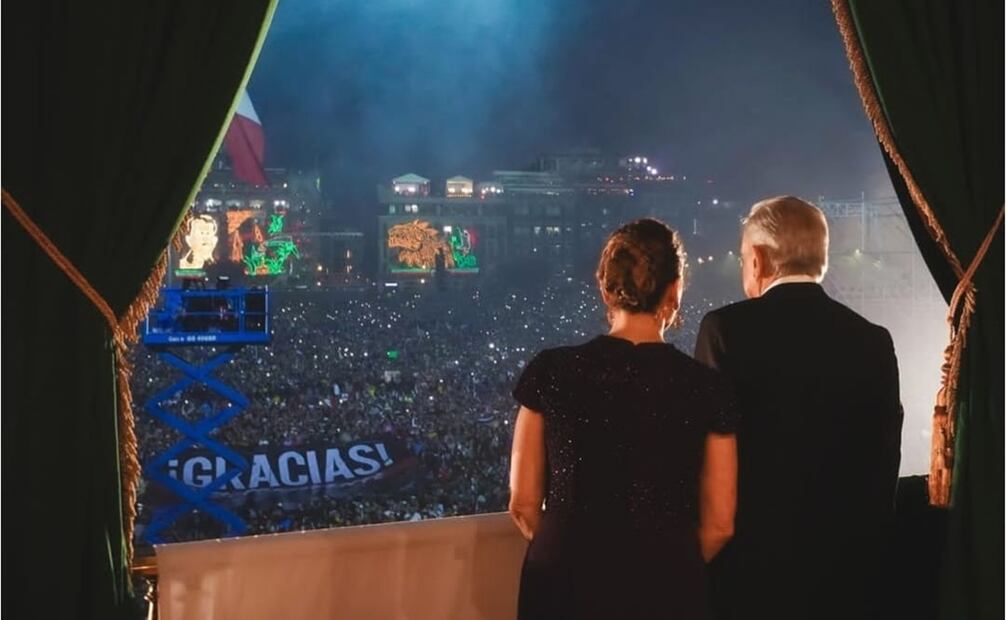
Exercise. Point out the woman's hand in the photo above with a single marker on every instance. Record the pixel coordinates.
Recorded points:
(527, 471)
(718, 494)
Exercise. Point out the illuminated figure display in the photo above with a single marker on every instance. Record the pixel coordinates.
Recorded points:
(270, 257)
(275, 223)
(462, 242)
(417, 243)
(249, 245)
(201, 240)
(238, 233)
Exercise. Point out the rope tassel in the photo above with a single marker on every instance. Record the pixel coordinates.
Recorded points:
(124, 335)
(963, 302)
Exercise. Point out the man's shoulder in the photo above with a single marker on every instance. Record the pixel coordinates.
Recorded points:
(733, 312)
(854, 320)
(765, 312)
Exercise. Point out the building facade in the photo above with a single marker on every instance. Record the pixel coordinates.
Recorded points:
(558, 211)
(265, 234)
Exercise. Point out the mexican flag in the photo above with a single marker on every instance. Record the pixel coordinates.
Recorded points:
(245, 144)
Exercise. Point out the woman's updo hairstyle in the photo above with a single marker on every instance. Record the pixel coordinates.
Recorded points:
(639, 261)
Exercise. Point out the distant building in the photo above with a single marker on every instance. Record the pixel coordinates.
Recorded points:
(462, 230)
(289, 190)
(459, 187)
(243, 230)
(560, 209)
(336, 257)
(411, 185)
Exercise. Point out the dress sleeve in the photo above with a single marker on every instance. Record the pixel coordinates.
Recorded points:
(724, 417)
(533, 383)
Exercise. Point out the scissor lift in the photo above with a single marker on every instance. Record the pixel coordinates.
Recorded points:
(227, 320)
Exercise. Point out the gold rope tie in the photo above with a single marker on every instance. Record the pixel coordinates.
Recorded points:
(121, 330)
(965, 282)
(941, 461)
(60, 259)
(944, 418)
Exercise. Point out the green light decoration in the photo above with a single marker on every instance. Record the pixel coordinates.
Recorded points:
(190, 273)
(392, 354)
(461, 247)
(270, 257)
(275, 223)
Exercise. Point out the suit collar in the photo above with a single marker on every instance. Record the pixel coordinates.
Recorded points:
(794, 289)
(789, 280)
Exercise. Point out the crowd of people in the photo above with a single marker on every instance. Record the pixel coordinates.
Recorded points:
(432, 369)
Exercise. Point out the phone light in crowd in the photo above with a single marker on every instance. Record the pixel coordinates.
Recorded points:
(701, 261)
(716, 201)
(422, 280)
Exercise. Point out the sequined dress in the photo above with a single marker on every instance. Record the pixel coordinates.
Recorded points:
(625, 429)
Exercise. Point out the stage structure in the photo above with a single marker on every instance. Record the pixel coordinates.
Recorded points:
(874, 262)
(187, 319)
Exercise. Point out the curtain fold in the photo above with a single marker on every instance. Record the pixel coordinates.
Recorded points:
(934, 70)
(111, 114)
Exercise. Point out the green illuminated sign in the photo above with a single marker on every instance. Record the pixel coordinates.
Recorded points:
(276, 223)
(270, 257)
(461, 248)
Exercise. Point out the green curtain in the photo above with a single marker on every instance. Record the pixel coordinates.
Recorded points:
(111, 111)
(937, 68)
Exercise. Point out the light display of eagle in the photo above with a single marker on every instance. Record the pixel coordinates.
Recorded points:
(417, 243)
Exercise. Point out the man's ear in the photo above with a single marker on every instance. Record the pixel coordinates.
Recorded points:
(761, 265)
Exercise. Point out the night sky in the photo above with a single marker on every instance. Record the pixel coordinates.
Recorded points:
(756, 96)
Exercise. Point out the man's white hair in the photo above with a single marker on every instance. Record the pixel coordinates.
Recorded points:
(794, 234)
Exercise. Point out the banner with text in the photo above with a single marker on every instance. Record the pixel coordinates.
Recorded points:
(289, 472)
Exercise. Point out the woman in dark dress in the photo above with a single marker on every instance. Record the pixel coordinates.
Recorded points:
(629, 445)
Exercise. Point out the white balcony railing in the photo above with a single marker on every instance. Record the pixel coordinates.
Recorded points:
(464, 567)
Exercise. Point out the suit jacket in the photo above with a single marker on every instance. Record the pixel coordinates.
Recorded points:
(818, 455)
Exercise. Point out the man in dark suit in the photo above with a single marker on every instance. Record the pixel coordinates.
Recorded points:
(820, 433)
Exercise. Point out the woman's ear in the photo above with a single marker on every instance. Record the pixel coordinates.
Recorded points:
(605, 297)
(672, 297)
(678, 289)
